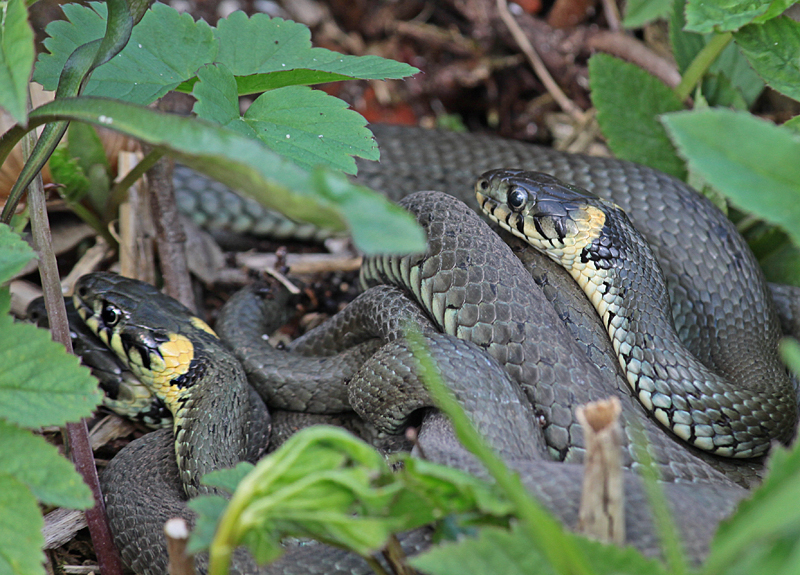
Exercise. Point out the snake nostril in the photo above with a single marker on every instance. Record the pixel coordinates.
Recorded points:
(82, 292)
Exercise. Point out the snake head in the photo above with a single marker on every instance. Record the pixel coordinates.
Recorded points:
(555, 217)
(154, 335)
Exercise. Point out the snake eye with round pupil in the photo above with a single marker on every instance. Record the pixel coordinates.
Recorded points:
(110, 315)
(517, 199)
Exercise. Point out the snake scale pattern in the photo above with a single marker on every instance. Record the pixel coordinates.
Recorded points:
(522, 309)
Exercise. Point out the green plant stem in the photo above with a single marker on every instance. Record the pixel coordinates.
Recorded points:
(375, 565)
(396, 557)
(118, 192)
(89, 218)
(77, 436)
(225, 539)
(546, 533)
(662, 518)
(746, 223)
(701, 63)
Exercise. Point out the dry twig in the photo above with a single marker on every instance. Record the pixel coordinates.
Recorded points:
(536, 63)
(602, 510)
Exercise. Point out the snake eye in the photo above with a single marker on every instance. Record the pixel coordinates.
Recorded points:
(516, 199)
(110, 315)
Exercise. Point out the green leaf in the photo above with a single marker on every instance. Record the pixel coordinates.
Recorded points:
(748, 159)
(323, 482)
(14, 254)
(324, 199)
(83, 25)
(86, 147)
(685, 45)
(772, 50)
(21, 523)
(731, 64)
(304, 125)
(782, 264)
(790, 353)
(227, 479)
(628, 99)
(67, 172)
(451, 489)
(492, 551)
(40, 383)
(614, 560)
(272, 52)
(793, 124)
(734, 66)
(766, 517)
(370, 233)
(166, 48)
(329, 485)
(311, 128)
(16, 58)
(37, 464)
(209, 509)
(641, 12)
(718, 91)
(728, 15)
(510, 552)
(217, 100)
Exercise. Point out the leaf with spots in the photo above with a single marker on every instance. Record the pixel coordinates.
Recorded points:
(266, 53)
(166, 48)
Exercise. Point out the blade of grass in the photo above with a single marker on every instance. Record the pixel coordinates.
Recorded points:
(547, 534)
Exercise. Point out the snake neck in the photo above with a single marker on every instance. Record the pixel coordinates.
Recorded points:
(181, 362)
(596, 243)
(210, 420)
(618, 272)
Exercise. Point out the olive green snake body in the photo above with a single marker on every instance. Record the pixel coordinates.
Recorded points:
(503, 310)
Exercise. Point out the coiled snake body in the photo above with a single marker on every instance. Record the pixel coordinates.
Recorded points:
(471, 285)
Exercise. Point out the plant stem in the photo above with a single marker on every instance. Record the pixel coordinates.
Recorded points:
(545, 532)
(671, 545)
(117, 194)
(77, 436)
(396, 557)
(375, 565)
(701, 63)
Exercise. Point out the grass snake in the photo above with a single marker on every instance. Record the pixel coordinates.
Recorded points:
(503, 292)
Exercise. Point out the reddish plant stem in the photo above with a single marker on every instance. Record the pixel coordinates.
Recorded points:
(77, 436)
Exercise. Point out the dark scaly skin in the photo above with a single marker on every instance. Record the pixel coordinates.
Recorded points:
(595, 241)
(222, 421)
(386, 389)
(138, 472)
(730, 324)
(123, 393)
(472, 286)
(415, 160)
(721, 304)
